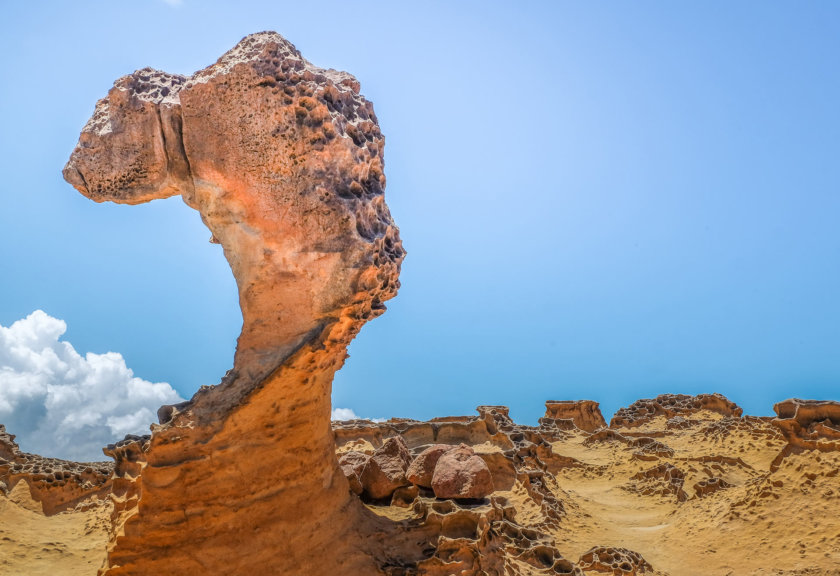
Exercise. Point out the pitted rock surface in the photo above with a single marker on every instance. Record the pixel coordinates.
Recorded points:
(584, 414)
(812, 424)
(615, 561)
(58, 485)
(284, 162)
(548, 504)
(671, 405)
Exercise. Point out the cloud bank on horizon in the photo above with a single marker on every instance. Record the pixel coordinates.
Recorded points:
(348, 414)
(64, 405)
(343, 414)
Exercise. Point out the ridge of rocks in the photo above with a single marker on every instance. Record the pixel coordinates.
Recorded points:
(671, 405)
(58, 485)
(521, 521)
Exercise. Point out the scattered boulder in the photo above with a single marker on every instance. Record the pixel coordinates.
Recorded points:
(460, 473)
(423, 467)
(352, 464)
(385, 470)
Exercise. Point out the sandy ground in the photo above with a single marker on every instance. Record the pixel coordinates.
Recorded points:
(787, 522)
(65, 544)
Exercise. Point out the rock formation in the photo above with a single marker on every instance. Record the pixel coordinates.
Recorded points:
(422, 468)
(384, 471)
(616, 561)
(584, 414)
(705, 493)
(57, 485)
(461, 474)
(809, 423)
(284, 162)
(671, 405)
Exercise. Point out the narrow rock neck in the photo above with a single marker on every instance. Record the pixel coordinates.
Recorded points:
(250, 487)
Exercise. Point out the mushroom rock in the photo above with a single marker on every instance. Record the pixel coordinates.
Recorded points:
(585, 414)
(284, 162)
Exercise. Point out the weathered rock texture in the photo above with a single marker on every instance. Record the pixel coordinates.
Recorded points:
(57, 485)
(615, 561)
(384, 471)
(584, 414)
(284, 162)
(671, 405)
(663, 486)
(810, 423)
(712, 494)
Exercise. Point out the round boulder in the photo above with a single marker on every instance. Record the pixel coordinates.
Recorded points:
(421, 470)
(460, 473)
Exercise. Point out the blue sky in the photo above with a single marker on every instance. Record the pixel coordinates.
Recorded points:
(603, 200)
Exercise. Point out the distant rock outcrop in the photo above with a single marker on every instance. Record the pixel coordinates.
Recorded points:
(671, 405)
(284, 162)
(809, 423)
(57, 485)
(584, 414)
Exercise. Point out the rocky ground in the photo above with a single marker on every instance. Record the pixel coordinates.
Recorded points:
(678, 485)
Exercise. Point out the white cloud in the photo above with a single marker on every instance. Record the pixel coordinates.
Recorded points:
(348, 414)
(64, 405)
(343, 414)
